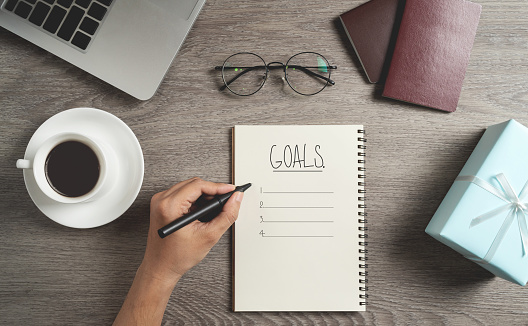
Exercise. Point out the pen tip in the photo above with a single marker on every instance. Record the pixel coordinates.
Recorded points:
(244, 187)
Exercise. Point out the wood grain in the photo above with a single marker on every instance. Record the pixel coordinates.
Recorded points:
(53, 275)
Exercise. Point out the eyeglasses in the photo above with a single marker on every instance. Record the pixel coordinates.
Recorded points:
(245, 73)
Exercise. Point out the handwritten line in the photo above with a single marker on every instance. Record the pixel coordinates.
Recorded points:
(297, 236)
(297, 222)
(298, 171)
(297, 192)
(292, 207)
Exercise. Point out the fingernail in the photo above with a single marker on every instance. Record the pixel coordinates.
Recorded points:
(238, 196)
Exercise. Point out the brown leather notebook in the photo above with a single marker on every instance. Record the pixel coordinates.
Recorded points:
(432, 52)
(370, 30)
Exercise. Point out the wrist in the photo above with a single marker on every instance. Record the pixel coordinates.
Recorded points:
(165, 281)
(146, 300)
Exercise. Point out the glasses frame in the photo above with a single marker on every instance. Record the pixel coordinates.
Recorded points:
(276, 65)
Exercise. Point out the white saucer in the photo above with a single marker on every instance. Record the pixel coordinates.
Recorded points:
(120, 138)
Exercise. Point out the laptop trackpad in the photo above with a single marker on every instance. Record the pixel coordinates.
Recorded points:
(181, 8)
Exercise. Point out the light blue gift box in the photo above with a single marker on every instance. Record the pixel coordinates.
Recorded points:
(483, 216)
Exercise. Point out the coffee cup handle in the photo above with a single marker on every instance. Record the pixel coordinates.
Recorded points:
(23, 164)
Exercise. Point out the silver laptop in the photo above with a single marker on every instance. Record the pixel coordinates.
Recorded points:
(127, 43)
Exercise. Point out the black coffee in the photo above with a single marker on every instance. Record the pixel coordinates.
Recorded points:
(72, 169)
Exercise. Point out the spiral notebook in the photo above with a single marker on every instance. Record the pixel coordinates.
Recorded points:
(298, 244)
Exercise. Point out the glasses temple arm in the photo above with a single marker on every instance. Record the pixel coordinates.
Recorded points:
(309, 72)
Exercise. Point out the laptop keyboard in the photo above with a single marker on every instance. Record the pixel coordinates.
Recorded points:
(73, 21)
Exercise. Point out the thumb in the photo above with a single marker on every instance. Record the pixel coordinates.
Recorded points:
(229, 213)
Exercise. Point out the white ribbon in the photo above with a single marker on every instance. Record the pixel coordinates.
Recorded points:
(514, 205)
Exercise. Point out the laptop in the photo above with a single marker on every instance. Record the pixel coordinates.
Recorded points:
(129, 44)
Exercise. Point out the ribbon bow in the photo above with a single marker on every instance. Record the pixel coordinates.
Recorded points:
(514, 205)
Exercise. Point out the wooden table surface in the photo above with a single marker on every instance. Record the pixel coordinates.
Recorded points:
(54, 275)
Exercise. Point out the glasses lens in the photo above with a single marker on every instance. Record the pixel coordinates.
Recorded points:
(244, 73)
(307, 73)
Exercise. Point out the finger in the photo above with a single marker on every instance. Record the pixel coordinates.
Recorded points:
(179, 185)
(198, 187)
(181, 201)
(167, 192)
(229, 213)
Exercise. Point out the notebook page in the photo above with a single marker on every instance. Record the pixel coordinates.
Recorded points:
(296, 241)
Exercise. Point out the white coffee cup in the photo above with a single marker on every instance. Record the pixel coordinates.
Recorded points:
(107, 167)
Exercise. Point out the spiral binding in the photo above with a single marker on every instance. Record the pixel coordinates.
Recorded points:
(363, 288)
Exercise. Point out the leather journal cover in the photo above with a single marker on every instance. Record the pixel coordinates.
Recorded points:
(432, 52)
(369, 28)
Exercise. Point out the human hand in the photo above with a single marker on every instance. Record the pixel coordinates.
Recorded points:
(169, 258)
